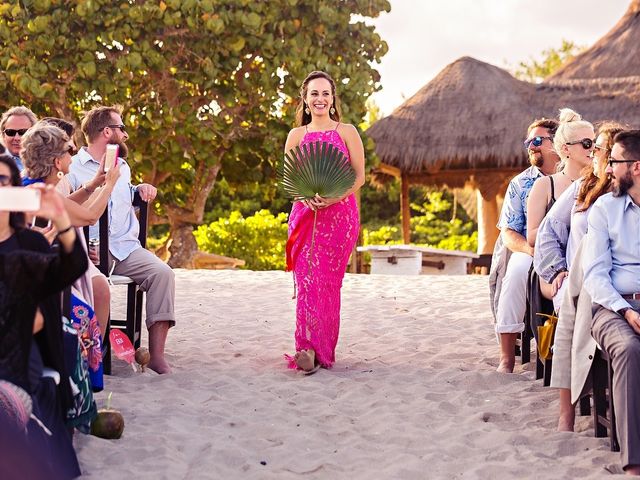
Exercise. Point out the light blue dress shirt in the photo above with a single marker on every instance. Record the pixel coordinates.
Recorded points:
(514, 207)
(19, 163)
(123, 223)
(611, 256)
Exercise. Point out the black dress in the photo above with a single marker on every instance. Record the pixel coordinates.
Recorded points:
(31, 275)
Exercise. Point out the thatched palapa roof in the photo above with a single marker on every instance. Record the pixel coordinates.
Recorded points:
(471, 116)
(614, 55)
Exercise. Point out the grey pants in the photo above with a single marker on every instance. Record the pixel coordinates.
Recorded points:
(154, 277)
(615, 336)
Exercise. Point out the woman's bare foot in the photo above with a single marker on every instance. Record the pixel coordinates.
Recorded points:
(305, 359)
(565, 423)
(506, 365)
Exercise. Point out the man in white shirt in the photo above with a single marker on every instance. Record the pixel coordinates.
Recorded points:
(102, 126)
(611, 260)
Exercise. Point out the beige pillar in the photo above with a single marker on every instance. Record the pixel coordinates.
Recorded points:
(404, 209)
(487, 220)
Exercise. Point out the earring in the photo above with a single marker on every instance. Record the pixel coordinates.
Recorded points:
(307, 111)
(332, 110)
(59, 174)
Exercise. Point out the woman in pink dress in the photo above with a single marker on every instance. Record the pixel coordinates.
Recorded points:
(318, 271)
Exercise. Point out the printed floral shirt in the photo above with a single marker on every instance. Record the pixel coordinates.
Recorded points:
(514, 208)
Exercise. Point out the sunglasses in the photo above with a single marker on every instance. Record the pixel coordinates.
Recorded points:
(71, 150)
(586, 143)
(535, 141)
(122, 128)
(5, 180)
(611, 161)
(12, 132)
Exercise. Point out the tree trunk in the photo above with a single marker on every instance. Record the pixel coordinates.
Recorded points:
(182, 246)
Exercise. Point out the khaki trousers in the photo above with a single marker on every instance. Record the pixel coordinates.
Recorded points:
(156, 278)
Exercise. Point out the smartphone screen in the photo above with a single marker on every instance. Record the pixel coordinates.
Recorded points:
(111, 157)
(40, 222)
(19, 199)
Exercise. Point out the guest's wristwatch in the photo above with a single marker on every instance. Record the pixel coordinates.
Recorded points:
(622, 311)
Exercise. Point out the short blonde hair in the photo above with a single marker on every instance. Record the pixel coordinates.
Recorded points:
(18, 111)
(41, 145)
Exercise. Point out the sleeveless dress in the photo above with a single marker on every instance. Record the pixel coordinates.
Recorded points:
(318, 272)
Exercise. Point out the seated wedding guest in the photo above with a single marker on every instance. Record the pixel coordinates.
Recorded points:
(573, 142)
(512, 254)
(102, 126)
(27, 276)
(46, 152)
(611, 261)
(559, 237)
(14, 124)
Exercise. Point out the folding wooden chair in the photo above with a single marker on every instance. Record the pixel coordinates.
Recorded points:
(132, 324)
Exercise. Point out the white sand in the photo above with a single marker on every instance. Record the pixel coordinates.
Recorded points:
(414, 392)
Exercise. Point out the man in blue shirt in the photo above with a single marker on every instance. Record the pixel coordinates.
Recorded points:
(103, 126)
(512, 245)
(14, 124)
(611, 260)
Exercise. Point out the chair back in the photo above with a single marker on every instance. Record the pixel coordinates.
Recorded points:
(142, 208)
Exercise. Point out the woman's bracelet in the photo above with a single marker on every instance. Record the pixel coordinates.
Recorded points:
(65, 230)
(87, 189)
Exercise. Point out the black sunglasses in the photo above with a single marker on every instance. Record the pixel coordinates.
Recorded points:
(122, 128)
(5, 180)
(71, 150)
(535, 141)
(611, 161)
(12, 132)
(587, 143)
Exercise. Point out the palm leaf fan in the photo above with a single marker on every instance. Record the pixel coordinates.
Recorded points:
(315, 169)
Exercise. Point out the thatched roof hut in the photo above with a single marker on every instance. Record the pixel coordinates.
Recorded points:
(614, 55)
(465, 127)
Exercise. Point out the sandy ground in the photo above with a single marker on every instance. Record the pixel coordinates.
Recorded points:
(414, 392)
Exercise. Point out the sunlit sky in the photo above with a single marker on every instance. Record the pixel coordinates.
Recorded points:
(424, 36)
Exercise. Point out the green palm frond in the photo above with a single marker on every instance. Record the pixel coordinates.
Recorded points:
(316, 169)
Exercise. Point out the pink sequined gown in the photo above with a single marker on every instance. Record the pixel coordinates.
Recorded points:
(318, 281)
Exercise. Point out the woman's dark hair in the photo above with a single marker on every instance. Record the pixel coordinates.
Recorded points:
(594, 186)
(16, 219)
(68, 127)
(304, 118)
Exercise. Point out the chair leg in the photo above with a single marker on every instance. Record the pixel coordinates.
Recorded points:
(599, 397)
(548, 365)
(615, 446)
(138, 318)
(585, 405)
(131, 311)
(106, 346)
(526, 346)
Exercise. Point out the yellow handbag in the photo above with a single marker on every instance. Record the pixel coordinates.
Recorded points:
(545, 335)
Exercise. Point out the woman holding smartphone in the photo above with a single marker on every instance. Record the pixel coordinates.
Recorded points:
(30, 272)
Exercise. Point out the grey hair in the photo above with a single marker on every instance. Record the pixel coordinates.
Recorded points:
(20, 110)
(570, 121)
(41, 145)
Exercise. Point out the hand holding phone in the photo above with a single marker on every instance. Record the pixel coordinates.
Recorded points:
(111, 157)
(19, 199)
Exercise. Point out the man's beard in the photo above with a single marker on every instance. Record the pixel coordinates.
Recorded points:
(123, 150)
(622, 186)
(536, 159)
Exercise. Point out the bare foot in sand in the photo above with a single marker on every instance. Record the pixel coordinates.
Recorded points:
(160, 366)
(305, 359)
(506, 365)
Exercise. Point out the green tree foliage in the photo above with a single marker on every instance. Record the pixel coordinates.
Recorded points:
(259, 239)
(552, 59)
(208, 86)
(432, 226)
